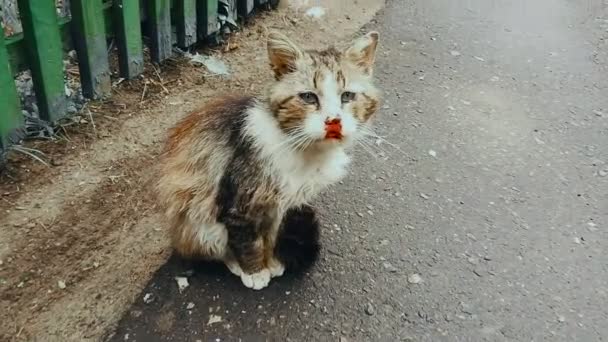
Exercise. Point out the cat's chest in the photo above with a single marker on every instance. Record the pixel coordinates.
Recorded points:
(302, 183)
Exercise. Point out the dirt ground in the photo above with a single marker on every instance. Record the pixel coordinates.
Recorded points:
(79, 238)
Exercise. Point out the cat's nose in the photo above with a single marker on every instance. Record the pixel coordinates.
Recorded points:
(333, 121)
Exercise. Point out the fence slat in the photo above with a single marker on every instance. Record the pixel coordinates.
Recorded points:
(10, 113)
(207, 18)
(127, 23)
(44, 50)
(185, 11)
(159, 29)
(244, 7)
(234, 9)
(89, 34)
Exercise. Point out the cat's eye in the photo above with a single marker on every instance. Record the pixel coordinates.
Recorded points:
(309, 97)
(348, 96)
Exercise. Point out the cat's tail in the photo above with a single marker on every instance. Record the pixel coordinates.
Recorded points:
(298, 244)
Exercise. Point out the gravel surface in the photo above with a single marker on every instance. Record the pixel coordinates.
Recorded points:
(482, 218)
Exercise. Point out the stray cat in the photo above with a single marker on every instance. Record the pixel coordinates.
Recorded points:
(231, 171)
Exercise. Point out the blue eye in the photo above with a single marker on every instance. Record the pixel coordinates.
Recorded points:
(348, 96)
(309, 97)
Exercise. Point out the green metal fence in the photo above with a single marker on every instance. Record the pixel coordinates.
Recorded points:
(40, 48)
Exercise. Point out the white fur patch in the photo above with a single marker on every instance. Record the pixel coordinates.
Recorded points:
(256, 281)
(214, 238)
(234, 267)
(314, 125)
(301, 175)
(276, 268)
(331, 100)
(356, 87)
(331, 108)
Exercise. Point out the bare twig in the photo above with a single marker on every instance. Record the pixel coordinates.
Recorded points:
(7, 201)
(65, 133)
(92, 121)
(110, 117)
(143, 93)
(46, 228)
(29, 152)
(162, 83)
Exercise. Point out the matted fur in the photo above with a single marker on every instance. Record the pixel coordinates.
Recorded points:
(232, 170)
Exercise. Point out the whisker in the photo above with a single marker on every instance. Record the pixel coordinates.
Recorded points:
(367, 132)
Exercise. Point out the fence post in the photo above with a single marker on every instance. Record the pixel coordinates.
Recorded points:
(244, 7)
(10, 112)
(45, 55)
(159, 28)
(128, 37)
(185, 22)
(207, 18)
(89, 34)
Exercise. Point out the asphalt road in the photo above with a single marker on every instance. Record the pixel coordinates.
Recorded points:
(484, 218)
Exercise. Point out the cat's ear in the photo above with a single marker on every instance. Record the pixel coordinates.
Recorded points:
(362, 52)
(283, 54)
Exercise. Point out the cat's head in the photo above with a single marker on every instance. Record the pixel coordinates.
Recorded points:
(323, 96)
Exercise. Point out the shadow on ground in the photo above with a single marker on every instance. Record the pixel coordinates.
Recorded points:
(215, 302)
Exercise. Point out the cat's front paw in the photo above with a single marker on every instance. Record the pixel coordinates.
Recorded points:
(276, 268)
(256, 281)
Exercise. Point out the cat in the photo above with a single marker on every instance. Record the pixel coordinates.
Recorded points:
(231, 171)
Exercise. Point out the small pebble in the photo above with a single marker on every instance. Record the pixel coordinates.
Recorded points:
(369, 309)
(432, 153)
(414, 278)
(182, 283)
(61, 284)
(389, 267)
(214, 319)
(148, 298)
(425, 196)
(190, 306)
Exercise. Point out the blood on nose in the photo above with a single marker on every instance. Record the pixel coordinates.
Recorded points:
(333, 129)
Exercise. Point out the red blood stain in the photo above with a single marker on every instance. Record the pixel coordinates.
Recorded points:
(333, 129)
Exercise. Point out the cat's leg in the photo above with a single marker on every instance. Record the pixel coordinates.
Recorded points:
(232, 264)
(275, 266)
(250, 256)
(247, 246)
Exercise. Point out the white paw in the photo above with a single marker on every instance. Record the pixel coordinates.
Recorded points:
(256, 281)
(276, 268)
(234, 268)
